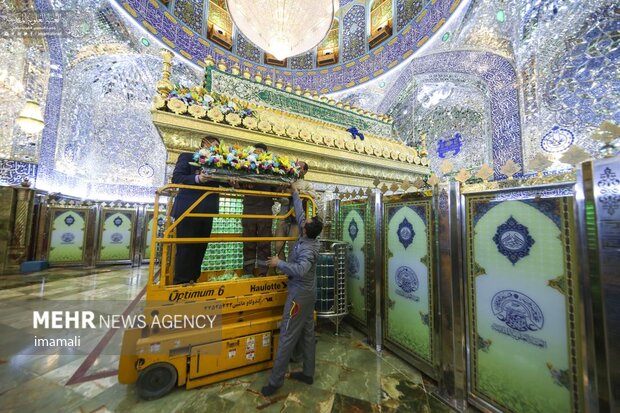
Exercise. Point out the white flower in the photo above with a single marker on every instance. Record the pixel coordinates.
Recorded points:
(215, 115)
(197, 111)
(158, 101)
(264, 126)
(278, 129)
(177, 106)
(250, 122)
(233, 119)
(292, 131)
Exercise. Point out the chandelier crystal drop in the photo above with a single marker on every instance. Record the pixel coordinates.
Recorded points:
(283, 28)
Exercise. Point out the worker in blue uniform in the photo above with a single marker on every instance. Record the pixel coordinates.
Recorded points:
(297, 319)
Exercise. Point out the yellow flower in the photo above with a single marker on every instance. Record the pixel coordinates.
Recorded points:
(284, 161)
(238, 165)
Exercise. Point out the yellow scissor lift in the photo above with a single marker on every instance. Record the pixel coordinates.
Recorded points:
(176, 344)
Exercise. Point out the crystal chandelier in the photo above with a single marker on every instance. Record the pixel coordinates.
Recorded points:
(30, 118)
(283, 28)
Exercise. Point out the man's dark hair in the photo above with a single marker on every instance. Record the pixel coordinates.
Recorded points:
(262, 146)
(211, 138)
(314, 227)
(304, 167)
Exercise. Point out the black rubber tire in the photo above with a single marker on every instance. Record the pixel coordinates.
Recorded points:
(156, 380)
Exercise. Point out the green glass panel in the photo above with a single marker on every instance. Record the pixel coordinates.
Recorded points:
(67, 236)
(522, 319)
(409, 314)
(353, 226)
(116, 236)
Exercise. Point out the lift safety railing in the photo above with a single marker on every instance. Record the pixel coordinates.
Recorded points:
(168, 240)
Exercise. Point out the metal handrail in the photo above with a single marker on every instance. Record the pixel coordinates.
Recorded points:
(167, 237)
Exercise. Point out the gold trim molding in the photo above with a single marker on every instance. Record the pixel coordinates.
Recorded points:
(329, 165)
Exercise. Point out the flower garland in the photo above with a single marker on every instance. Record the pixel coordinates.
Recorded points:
(200, 104)
(246, 161)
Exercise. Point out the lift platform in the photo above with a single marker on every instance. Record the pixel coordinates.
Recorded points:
(204, 332)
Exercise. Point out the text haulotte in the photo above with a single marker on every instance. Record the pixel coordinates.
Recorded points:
(87, 319)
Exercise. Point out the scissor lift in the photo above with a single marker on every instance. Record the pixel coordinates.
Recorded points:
(247, 313)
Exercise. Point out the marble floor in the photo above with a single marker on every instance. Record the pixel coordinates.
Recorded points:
(350, 377)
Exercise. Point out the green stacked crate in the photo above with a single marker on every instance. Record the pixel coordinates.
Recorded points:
(225, 255)
(228, 255)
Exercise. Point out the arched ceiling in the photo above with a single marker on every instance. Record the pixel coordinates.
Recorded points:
(185, 27)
